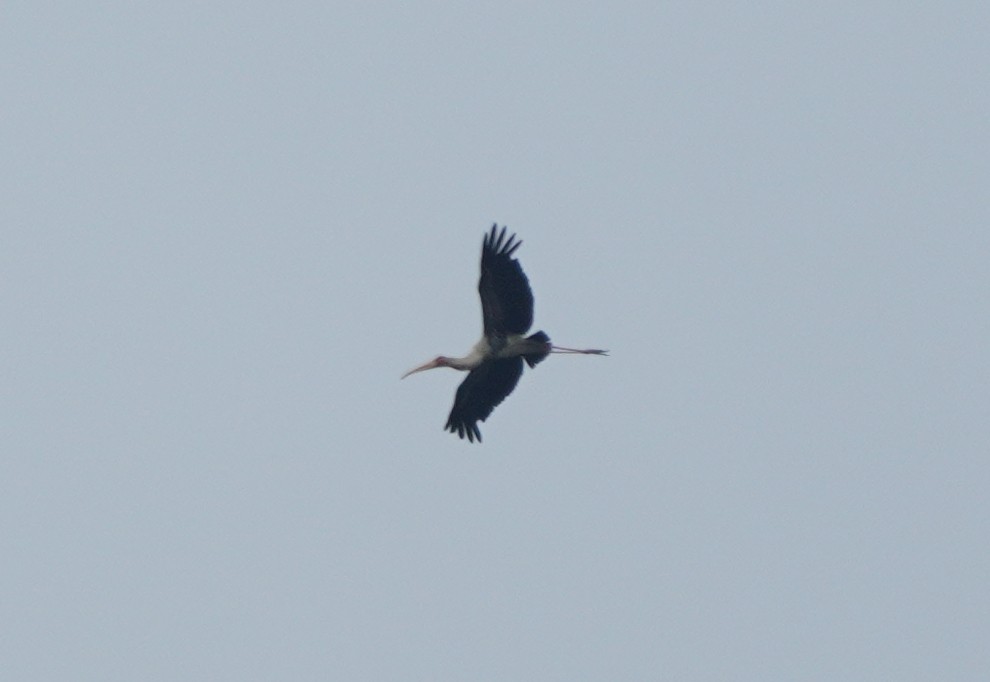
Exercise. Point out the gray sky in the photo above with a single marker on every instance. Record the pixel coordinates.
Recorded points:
(228, 228)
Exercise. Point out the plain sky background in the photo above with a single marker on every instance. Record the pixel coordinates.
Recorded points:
(228, 228)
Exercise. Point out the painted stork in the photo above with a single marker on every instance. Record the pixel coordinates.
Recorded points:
(495, 363)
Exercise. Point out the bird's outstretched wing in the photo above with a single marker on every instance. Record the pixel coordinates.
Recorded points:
(506, 299)
(485, 386)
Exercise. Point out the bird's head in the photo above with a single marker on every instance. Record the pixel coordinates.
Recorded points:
(439, 361)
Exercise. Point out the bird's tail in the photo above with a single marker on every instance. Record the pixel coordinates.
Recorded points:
(533, 359)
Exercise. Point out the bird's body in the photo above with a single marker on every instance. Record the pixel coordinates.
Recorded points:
(495, 363)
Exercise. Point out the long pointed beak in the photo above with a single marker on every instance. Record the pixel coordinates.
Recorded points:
(432, 364)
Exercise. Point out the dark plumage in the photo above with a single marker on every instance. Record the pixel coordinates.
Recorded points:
(507, 308)
(506, 299)
(484, 388)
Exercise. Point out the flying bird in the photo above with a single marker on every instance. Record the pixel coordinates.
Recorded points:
(495, 363)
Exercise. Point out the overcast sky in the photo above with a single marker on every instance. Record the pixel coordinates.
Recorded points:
(228, 228)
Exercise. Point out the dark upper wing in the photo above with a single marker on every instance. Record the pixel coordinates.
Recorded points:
(486, 386)
(506, 300)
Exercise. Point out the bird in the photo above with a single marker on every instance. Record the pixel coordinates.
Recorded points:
(495, 363)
